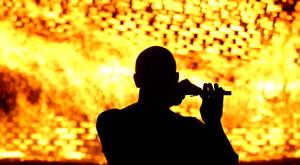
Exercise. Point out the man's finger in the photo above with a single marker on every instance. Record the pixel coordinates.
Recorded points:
(205, 86)
(216, 87)
(210, 88)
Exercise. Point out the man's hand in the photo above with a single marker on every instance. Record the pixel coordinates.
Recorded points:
(212, 104)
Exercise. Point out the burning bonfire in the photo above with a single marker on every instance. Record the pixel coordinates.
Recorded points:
(62, 62)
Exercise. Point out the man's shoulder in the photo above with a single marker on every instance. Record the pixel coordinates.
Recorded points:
(106, 117)
(192, 121)
(114, 114)
(113, 118)
(107, 114)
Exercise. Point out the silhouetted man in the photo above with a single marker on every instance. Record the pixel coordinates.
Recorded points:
(148, 132)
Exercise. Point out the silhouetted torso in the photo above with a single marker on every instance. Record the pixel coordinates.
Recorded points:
(149, 133)
(137, 135)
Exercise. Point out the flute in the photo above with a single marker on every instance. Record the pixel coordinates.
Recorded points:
(187, 88)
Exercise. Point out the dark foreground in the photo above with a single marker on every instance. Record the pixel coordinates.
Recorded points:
(19, 162)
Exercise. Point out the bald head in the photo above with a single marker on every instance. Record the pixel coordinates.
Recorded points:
(155, 74)
(155, 65)
(155, 58)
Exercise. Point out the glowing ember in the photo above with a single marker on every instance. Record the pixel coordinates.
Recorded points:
(62, 62)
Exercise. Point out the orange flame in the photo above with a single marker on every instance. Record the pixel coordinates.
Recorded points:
(63, 62)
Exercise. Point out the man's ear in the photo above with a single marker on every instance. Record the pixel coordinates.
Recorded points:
(177, 76)
(137, 80)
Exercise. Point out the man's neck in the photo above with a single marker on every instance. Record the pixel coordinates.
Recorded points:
(151, 101)
(151, 104)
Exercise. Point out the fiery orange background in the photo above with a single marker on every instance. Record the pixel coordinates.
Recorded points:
(62, 62)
